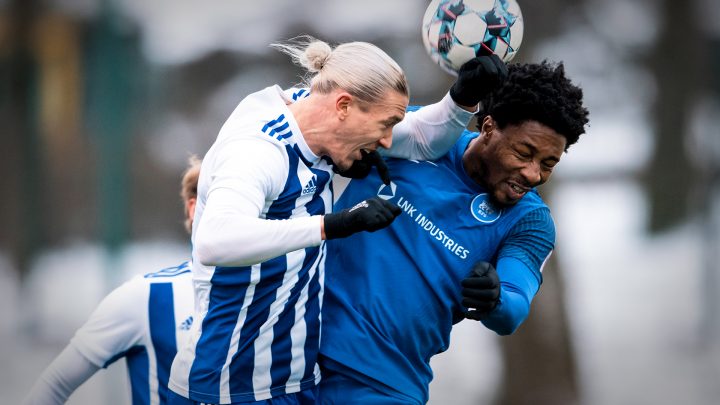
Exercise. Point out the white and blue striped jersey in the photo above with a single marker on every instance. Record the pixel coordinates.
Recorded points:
(257, 249)
(144, 320)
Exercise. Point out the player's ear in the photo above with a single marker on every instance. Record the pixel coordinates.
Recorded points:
(487, 127)
(343, 102)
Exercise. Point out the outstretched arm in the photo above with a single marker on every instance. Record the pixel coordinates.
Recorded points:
(116, 325)
(61, 378)
(428, 133)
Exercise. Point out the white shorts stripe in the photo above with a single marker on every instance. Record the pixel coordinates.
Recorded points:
(235, 340)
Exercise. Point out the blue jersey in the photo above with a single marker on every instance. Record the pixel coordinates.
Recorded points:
(392, 296)
(144, 321)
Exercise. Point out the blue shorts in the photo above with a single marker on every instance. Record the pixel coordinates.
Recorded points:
(339, 389)
(305, 397)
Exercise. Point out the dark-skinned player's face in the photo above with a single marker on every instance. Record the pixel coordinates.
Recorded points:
(511, 161)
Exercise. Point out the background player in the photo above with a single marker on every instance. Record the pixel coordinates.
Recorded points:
(143, 321)
(264, 202)
(391, 299)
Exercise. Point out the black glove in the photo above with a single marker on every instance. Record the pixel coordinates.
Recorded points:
(481, 290)
(477, 78)
(368, 215)
(361, 168)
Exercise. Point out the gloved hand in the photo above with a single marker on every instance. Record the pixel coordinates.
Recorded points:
(368, 215)
(481, 290)
(477, 78)
(361, 168)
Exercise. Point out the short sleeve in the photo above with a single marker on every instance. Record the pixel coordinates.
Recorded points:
(531, 240)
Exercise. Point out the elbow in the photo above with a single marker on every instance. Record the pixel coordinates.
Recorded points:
(506, 319)
(506, 328)
(204, 253)
(207, 249)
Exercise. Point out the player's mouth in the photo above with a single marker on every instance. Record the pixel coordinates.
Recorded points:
(363, 151)
(358, 154)
(516, 191)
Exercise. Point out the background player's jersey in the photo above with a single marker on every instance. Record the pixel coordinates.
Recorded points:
(143, 320)
(386, 312)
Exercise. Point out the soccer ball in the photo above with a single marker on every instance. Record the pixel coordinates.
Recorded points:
(455, 31)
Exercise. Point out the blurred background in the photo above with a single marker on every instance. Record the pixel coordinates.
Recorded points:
(102, 102)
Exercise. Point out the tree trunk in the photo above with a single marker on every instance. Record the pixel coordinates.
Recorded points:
(539, 362)
(22, 214)
(677, 64)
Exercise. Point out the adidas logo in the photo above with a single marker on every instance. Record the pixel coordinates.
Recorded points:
(310, 187)
(186, 324)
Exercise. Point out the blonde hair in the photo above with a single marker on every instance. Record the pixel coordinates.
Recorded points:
(188, 185)
(360, 68)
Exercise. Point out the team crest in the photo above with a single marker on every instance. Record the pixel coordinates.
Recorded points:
(484, 210)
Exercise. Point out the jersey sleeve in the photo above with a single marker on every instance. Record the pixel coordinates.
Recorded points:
(519, 268)
(429, 132)
(116, 325)
(531, 240)
(242, 183)
(61, 378)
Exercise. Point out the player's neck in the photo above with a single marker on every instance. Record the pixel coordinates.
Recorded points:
(314, 119)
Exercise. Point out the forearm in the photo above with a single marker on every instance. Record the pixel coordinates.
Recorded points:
(61, 378)
(510, 313)
(518, 286)
(240, 240)
(428, 133)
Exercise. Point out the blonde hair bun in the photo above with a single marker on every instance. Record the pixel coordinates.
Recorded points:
(317, 53)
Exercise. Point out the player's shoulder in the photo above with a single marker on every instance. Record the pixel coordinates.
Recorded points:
(296, 93)
(167, 274)
(533, 200)
(532, 212)
(530, 208)
(264, 108)
(139, 285)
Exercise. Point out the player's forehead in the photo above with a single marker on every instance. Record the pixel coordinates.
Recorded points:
(391, 106)
(535, 136)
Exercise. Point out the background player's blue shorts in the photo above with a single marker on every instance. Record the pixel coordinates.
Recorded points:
(339, 389)
(306, 397)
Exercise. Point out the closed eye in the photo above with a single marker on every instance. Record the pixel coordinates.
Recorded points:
(391, 122)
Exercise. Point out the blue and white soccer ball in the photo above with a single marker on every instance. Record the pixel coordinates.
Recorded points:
(455, 31)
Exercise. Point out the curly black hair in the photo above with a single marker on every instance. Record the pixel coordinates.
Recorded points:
(538, 92)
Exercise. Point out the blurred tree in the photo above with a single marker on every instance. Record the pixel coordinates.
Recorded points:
(112, 58)
(66, 154)
(539, 360)
(678, 65)
(707, 191)
(23, 209)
